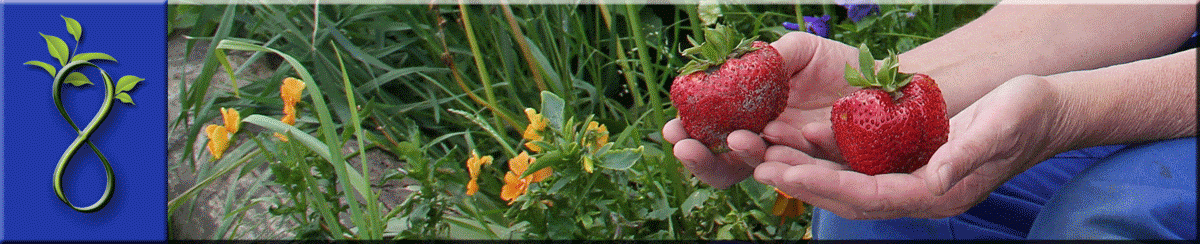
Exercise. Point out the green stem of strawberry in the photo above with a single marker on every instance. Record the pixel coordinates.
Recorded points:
(720, 43)
(888, 77)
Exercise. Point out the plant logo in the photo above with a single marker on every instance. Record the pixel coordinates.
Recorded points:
(69, 62)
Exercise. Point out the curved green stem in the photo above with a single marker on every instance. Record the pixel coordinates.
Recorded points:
(83, 137)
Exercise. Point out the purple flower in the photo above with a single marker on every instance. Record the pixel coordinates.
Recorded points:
(817, 25)
(791, 26)
(858, 9)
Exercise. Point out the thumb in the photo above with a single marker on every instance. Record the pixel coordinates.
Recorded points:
(797, 49)
(958, 157)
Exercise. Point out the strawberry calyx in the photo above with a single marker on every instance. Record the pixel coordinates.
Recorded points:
(720, 43)
(888, 77)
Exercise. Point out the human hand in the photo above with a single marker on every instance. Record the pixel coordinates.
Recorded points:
(815, 66)
(1002, 134)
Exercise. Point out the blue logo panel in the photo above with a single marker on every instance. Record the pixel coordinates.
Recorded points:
(131, 137)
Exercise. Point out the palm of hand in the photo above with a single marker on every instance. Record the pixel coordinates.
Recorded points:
(991, 141)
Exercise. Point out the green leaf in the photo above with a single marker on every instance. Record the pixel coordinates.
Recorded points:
(49, 68)
(620, 159)
(864, 23)
(124, 97)
(552, 109)
(127, 82)
(709, 12)
(693, 201)
(92, 56)
(854, 78)
(77, 79)
(550, 159)
(221, 58)
(58, 49)
(73, 27)
(866, 63)
(662, 210)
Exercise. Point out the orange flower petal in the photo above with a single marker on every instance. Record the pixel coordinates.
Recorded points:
(233, 120)
(281, 137)
(472, 187)
(541, 175)
(289, 119)
(531, 133)
(218, 140)
(533, 147)
(520, 163)
(290, 90)
(513, 187)
(536, 120)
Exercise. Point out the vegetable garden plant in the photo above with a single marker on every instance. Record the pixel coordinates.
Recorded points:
(507, 121)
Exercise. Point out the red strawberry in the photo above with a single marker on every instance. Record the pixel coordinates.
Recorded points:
(894, 124)
(732, 85)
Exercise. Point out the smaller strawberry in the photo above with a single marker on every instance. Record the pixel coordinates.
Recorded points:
(731, 84)
(894, 124)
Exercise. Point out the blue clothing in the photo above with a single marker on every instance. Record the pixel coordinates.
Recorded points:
(1145, 191)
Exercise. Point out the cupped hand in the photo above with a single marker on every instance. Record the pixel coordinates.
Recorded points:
(999, 136)
(815, 66)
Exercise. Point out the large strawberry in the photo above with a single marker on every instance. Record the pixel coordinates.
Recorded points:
(730, 84)
(892, 125)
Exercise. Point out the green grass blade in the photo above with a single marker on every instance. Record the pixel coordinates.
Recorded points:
(375, 224)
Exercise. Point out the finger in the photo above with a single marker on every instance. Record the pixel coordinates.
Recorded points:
(777, 175)
(791, 156)
(854, 194)
(820, 134)
(747, 146)
(718, 172)
(797, 49)
(673, 131)
(782, 133)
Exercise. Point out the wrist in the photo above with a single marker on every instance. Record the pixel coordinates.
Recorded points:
(1070, 114)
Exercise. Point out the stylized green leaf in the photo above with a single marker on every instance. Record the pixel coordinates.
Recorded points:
(77, 79)
(73, 27)
(57, 48)
(92, 56)
(127, 82)
(124, 97)
(49, 68)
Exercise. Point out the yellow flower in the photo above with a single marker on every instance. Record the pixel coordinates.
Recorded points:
(218, 140)
(537, 124)
(786, 206)
(233, 120)
(291, 90)
(596, 135)
(473, 165)
(514, 184)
